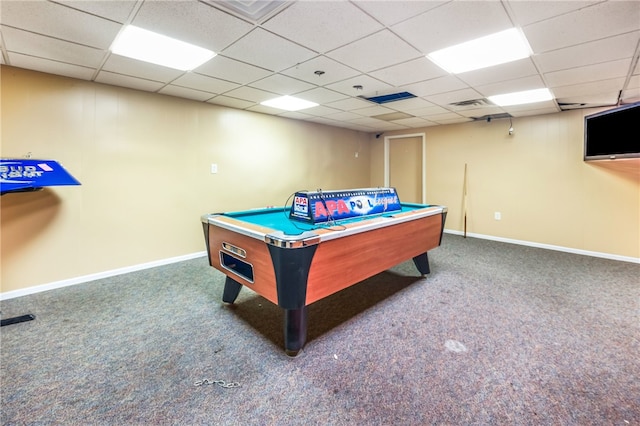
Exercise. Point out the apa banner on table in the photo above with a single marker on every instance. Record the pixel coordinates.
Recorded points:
(20, 175)
(323, 206)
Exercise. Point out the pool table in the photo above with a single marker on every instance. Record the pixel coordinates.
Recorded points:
(294, 264)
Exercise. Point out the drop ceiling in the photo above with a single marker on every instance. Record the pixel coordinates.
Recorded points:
(586, 52)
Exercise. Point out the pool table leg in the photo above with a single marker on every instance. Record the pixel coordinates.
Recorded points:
(422, 263)
(295, 330)
(231, 290)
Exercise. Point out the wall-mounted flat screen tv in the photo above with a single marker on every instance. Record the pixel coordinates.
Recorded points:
(612, 134)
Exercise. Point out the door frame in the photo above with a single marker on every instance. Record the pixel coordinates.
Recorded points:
(387, 139)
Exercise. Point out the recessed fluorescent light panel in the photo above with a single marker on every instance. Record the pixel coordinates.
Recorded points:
(289, 103)
(518, 98)
(143, 45)
(499, 48)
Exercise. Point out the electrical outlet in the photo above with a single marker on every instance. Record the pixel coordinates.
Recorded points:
(497, 215)
(214, 168)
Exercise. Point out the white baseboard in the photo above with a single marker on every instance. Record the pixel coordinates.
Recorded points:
(97, 276)
(548, 246)
(125, 270)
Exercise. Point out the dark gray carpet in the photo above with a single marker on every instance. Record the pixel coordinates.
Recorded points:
(496, 334)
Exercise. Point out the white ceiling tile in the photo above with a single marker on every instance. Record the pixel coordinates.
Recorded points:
(508, 86)
(589, 24)
(444, 99)
(184, 92)
(321, 95)
(608, 49)
(59, 21)
(251, 94)
(428, 111)
(322, 26)
(281, 84)
(232, 70)
(414, 122)
(390, 125)
(51, 48)
(268, 51)
(498, 73)
(392, 12)
(114, 79)
(321, 111)
(444, 117)
(409, 104)
(585, 89)
(447, 83)
(372, 110)
(343, 115)
(600, 99)
(132, 67)
(367, 121)
(589, 73)
(534, 111)
(374, 52)
(630, 95)
(480, 112)
(202, 82)
(115, 10)
(231, 102)
(419, 69)
(453, 23)
(349, 104)
(295, 115)
(333, 71)
(546, 105)
(634, 82)
(528, 12)
(370, 86)
(263, 109)
(323, 120)
(193, 22)
(51, 67)
(454, 120)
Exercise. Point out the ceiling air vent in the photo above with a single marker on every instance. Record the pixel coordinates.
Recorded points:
(472, 103)
(255, 11)
(383, 99)
(490, 117)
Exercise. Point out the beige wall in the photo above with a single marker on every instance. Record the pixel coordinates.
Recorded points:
(536, 179)
(144, 164)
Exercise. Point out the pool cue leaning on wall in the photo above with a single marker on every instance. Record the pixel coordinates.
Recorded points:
(464, 199)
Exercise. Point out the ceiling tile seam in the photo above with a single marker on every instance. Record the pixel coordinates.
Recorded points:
(227, 12)
(632, 67)
(3, 50)
(107, 55)
(333, 50)
(48, 59)
(218, 78)
(70, 6)
(53, 37)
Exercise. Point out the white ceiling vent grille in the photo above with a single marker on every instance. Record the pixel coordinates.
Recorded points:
(472, 103)
(254, 10)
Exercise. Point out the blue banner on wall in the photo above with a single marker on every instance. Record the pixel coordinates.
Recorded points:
(20, 175)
